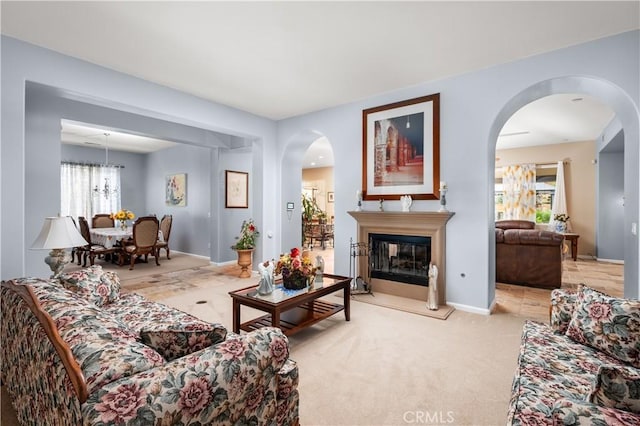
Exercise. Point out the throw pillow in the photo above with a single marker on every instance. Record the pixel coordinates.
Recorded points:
(97, 286)
(617, 387)
(562, 303)
(172, 344)
(608, 324)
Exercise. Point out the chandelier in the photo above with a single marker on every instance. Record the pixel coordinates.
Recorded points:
(107, 190)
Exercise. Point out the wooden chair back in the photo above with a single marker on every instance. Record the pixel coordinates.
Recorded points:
(102, 221)
(165, 226)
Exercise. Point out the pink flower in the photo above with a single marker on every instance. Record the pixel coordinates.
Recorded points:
(122, 404)
(102, 290)
(195, 396)
(532, 418)
(279, 350)
(599, 311)
(254, 398)
(296, 263)
(232, 349)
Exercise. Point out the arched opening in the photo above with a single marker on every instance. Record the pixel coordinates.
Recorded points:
(318, 201)
(626, 114)
(302, 180)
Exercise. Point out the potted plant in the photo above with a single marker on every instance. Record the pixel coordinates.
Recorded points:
(245, 245)
(561, 222)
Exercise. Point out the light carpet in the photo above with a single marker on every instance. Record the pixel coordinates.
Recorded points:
(384, 367)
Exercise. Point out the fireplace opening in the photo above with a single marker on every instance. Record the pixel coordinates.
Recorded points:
(400, 258)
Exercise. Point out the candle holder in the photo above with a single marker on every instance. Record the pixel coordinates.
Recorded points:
(443, 199)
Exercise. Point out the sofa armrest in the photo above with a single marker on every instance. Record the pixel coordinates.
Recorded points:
(571, 412)
(233, 382)
(561, 309)
(288, 393)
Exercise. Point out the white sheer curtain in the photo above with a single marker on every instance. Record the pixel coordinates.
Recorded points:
(559, 205)
(78, 198)
(519, 185)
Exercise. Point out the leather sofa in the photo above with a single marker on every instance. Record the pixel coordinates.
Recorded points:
(527, 256)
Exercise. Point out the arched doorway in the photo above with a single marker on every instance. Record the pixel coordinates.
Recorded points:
(300, 151)
(626, 113)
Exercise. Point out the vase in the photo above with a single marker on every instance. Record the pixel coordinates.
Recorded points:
(244, 260)
(295, 281)
(123, 224)
(561, 227)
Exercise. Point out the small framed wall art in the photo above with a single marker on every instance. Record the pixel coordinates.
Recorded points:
(176, 190)
(236, 190)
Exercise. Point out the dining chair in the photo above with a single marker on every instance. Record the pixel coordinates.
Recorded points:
(76, 251)
(92, 250)
(165, 227)
(144, 239)
(103, 221)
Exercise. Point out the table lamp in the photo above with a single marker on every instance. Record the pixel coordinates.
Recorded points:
(57, 234)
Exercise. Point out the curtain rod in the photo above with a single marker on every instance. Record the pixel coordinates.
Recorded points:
(81, 163)
(541, 165)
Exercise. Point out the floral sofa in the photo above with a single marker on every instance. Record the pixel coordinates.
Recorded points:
(77, 351)
(583, 368)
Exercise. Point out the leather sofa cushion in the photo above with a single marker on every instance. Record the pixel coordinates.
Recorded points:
(515, 224)
(529, 237)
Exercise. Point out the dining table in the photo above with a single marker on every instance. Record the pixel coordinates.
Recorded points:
(108, 237)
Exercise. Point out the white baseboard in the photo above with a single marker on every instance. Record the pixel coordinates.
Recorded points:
(191, 254)
(616, 261)
(471, 309)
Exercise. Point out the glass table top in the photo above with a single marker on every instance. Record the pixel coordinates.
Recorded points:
(280, 293)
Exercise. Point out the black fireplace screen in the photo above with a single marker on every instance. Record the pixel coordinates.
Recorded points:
(400, 258)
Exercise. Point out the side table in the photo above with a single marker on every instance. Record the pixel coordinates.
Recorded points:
(574, 243)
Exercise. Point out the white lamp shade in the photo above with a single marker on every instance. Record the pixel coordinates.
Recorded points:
(58, 233)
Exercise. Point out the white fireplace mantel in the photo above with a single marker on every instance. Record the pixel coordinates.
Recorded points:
(417, 223)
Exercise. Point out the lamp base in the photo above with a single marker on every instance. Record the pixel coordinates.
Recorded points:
(56, 260)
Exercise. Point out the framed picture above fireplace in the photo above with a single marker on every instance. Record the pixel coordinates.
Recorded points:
(401, 150)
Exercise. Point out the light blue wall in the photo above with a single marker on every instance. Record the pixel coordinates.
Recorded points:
(191, 227)
(40, 87)
(610, 212)
(474, 107)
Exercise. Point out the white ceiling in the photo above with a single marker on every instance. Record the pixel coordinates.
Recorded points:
(282, 59)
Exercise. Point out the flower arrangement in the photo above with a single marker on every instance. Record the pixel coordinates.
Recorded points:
(123, 214)
(296, 270)
(561, 217)
(248, 234)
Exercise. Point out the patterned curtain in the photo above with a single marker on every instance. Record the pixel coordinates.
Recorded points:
(519, 183)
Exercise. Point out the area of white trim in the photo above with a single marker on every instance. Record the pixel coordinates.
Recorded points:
(471, 309)
(616, 261)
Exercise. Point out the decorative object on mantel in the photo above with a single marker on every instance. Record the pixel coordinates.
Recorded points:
(297, 270)
(123, 215)
(57, 234)
(432, 303)
(443, 197)
(359, 197)
(245, 246)
(266, 278)
(406, 203)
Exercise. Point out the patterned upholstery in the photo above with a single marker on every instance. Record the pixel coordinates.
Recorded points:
(145, 237)
(111, 377)
(165, 227)
(102, 221)
(556, 375)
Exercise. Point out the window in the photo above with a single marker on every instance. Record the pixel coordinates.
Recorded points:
(545, 192)
(88, 189)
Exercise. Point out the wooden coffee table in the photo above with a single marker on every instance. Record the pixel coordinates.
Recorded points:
(291, 310)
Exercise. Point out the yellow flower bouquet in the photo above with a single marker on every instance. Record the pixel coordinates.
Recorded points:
(123, 215)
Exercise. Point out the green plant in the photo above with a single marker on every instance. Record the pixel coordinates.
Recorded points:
(543, 216)
(248, 234)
